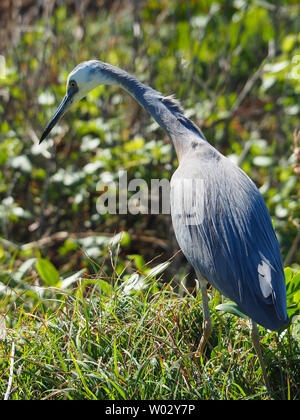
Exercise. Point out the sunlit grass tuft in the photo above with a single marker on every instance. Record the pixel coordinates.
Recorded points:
(99, 341)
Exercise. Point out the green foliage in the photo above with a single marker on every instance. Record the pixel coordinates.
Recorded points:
(105, 327)
(241, 86)
(231, 308)
(47, 272)
(293, 292)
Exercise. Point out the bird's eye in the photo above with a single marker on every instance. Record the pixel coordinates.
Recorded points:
(72, 84)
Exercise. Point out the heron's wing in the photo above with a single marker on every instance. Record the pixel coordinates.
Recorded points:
(224, 229)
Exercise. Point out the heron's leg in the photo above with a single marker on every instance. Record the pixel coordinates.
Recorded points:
(207, 323)
(256, 344)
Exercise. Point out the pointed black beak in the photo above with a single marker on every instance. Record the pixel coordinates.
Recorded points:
(63, 107)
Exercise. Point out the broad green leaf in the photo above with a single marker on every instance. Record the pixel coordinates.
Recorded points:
(296, 298)
(134, 283)
(293, 284)
(232, 308)
(47, 272)
(288, 274)
(138, 260)
(263, 161)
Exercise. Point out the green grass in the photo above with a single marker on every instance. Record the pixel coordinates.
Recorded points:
(99, 341)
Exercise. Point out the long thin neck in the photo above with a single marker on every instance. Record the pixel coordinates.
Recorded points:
(165, 110)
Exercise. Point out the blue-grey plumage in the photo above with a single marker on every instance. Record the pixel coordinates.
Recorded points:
(225, 231)
(220, 219)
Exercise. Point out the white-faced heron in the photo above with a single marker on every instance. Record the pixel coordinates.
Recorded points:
(219, 217)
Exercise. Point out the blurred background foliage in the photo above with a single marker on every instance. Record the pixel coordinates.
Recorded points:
(234, 65)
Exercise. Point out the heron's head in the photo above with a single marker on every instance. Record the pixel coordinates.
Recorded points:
(84, 78)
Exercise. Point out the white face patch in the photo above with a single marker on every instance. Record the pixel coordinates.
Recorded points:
(87, 76)
(264, 277)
